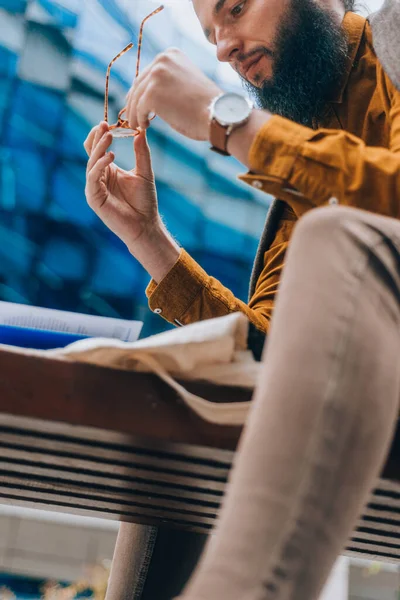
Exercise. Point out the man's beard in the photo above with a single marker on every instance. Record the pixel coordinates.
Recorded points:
(311, 52)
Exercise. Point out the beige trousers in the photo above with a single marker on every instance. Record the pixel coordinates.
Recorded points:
(323, 417)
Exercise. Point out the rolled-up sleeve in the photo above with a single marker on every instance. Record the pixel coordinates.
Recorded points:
(187, 294)
(307, 168)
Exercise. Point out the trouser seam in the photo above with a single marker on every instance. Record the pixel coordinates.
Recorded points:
(144, 569)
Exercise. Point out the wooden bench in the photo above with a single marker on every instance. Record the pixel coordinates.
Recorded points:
(117, 445)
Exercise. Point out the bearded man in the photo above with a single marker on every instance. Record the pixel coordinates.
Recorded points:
(325, 141)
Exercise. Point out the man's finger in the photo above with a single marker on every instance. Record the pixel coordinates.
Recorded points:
(143, 113)
(98, 169)
(93, 181)
(99, 150)
(134, 98)
(101, 130)
(143, 157)
(90, 141)
(139, 80)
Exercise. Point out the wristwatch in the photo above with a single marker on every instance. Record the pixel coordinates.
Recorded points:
(228, 111)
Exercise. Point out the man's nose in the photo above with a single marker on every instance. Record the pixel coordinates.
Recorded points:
(227, 49)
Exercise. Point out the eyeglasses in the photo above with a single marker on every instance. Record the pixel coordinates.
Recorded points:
(121, 128)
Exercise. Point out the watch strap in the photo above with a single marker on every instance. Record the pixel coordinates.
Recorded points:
(219, 135)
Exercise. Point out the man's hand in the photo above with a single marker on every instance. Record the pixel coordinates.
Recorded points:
(126, 201)
(173, 88)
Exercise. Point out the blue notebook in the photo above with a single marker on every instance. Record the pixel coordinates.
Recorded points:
(39, 339)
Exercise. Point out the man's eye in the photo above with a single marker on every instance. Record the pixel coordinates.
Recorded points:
(235, 12)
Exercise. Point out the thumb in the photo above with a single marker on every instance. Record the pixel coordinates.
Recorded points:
(143, 156)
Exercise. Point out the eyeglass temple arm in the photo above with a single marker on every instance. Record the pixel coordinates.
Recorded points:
(159, 9)
(128, 47)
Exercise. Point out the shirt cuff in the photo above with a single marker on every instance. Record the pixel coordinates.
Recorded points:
(273, 155)
(276, 147)
(173, 296)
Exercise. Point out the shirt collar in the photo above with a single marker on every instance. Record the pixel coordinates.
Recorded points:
(354, 26)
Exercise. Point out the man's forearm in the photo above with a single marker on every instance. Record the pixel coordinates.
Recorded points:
(157, 252)
(242, 138)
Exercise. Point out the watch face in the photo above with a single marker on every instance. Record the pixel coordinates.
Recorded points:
(232, 109)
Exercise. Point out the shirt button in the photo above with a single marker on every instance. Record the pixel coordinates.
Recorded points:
(158, 311)
(257, 184)
(333, 201)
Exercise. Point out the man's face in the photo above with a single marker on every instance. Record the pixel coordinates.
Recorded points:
(244, 32)
(291, 54)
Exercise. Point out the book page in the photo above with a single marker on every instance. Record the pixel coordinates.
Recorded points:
(21, 315)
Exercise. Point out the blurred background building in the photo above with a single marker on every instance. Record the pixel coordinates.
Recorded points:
(54, 251)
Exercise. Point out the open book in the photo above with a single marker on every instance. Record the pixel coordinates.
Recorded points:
(43, 328)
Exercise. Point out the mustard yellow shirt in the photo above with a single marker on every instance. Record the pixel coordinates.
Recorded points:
(352, 154)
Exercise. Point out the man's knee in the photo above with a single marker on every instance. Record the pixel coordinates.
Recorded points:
(325, 223)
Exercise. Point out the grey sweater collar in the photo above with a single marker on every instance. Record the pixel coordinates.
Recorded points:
(385, 26)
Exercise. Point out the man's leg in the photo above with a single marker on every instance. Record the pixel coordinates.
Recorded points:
(152, 563)
(323, 415)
